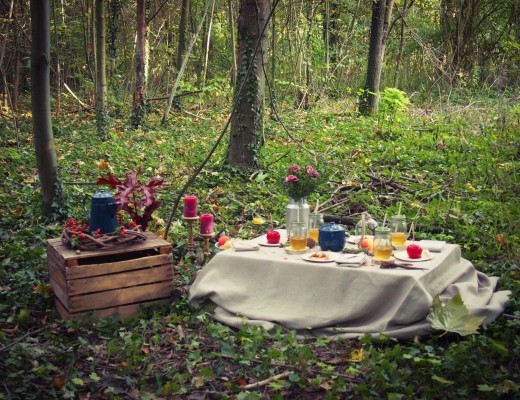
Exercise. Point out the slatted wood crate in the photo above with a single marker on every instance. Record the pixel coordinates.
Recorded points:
(105, 282)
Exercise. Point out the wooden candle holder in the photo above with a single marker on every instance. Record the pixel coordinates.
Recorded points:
(206, 237)
(191, 242)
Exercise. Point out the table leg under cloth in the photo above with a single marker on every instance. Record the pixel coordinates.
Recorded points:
(269, 287)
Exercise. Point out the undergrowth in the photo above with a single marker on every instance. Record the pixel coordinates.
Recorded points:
(454, 171)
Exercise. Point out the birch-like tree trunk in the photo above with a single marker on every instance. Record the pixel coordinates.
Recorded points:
(101, 77)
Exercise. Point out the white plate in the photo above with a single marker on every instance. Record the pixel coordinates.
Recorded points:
(270, 244)
(356, 239)
(403, 256)
(331, 257)
(290, 251)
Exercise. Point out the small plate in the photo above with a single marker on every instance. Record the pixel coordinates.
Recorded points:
(356, 239)
(403, 256)
(290, 251)
(221, 249)
(270, 244)
(331, 257)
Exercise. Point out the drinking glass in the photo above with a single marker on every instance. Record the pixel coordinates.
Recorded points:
(382, 244)
(298, 236)
(315, 221)
(398, 230)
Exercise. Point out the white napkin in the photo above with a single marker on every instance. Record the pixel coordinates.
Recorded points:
(432, 245)
(352, 260)
(244, 246)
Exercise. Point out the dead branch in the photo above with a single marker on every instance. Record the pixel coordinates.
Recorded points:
(266, 381)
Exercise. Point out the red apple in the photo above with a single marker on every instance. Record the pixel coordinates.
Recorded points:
(273, 237)
(222, 240)
(414, 250)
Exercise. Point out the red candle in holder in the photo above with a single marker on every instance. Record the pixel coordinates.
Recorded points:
(206, 224)
(190, 206)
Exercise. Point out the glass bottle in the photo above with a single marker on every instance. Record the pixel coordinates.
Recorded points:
(398, 230)
(382, 244)
(315, 222)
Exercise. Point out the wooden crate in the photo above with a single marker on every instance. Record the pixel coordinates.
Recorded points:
(116, 281)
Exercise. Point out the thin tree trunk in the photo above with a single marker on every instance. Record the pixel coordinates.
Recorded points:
(58, 66)
(140, 64)
(86, 36)
(41, 112)
(183, 65)
(247, 121)
(401, 43)
(101, 78)
(183, 29)
(233, 44)
(208, 41)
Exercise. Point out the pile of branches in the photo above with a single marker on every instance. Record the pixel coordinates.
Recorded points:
(82, 240)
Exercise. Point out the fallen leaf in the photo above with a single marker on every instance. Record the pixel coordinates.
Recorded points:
(453, 317)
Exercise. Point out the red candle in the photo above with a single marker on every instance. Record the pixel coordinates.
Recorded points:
(190, 206)
(206, 224)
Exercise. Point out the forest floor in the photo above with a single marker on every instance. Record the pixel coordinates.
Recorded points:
(454, 169)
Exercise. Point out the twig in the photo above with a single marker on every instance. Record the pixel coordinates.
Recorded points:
(195, 115)
(266, 381)
(8, 346)
(511, 316)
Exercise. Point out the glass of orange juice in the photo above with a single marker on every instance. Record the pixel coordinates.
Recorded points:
(298, 236)
(315, 221)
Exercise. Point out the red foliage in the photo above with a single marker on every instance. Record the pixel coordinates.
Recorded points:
(136, 199)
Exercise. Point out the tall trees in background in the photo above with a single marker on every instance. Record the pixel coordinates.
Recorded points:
(41, 111)
(140, 63)
(381, 14)
(246, 122)
(101, 77)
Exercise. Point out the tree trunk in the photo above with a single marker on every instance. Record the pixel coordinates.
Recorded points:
(208, 44)
(233, 44)
(183, 30)
(401, 43)
(246, 122)
(58, 65)
(101, 78)
(140, 64)
(41, 111)
(381, 12)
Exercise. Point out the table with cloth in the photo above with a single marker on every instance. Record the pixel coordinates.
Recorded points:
(269, 286)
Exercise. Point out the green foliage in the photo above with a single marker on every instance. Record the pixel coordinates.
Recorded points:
(455, 172)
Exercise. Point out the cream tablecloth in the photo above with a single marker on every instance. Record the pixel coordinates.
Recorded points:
(269, 287)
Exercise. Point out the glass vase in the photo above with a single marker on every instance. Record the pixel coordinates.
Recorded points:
(297, 211)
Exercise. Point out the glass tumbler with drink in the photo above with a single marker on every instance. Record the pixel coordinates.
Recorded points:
(315, 222)
(382, 244)
(398, 230)
(298, 236)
